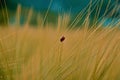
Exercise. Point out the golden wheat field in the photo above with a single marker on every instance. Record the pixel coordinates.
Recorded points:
(59, 51)
(38, 54)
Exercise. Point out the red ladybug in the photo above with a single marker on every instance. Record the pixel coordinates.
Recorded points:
(62, 39)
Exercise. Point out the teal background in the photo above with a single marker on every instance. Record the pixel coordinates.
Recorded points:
(66, 6)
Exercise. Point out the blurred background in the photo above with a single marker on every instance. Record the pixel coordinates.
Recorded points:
(109, 9)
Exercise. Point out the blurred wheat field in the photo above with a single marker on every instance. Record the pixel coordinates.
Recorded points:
(37, 53)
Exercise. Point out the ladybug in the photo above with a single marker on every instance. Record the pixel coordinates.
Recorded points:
(62, 39)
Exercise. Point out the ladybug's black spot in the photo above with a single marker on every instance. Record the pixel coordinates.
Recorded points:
(62, 39)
